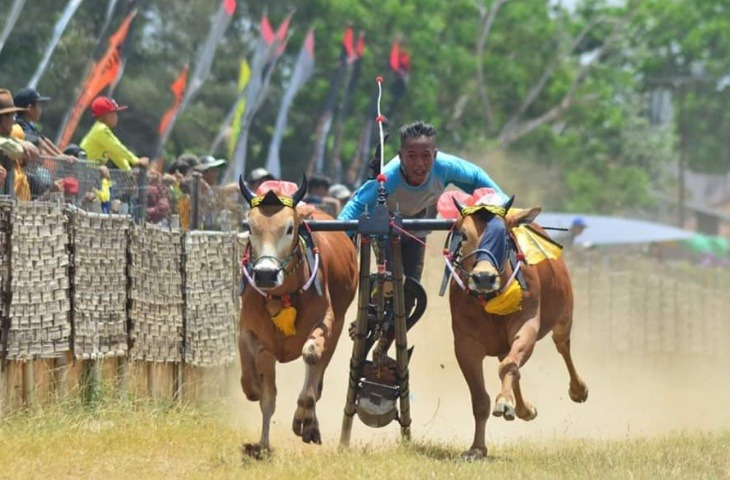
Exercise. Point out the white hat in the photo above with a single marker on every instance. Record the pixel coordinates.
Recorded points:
(339, 191)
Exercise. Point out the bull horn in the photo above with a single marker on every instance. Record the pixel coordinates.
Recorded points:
(301, 191)
(509, 203)
(245, 191)
(459, 206)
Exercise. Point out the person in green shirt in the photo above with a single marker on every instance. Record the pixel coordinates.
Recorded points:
(101, 145)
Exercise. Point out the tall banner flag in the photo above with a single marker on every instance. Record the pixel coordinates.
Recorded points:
(58, 30)
(324, 124)
(203, 64)
(399, 63)
(103, 73)
(178, 90)
(343, 110)
(232, 123)
(10, 21)
(268, 50)
(303, 69)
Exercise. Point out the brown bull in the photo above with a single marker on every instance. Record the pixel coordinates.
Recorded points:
(546, 305)
(283, 316)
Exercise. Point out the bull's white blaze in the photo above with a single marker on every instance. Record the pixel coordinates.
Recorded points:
(271, 255)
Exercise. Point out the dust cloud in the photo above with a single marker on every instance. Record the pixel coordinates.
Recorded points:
(631, 394)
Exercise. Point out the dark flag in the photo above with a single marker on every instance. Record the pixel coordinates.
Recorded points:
(303, 69)
(324, 124)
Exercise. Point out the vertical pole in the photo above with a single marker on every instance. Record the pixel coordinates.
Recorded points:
(141, 215)
(682, 159)
(28, 368)
(401, 340)
(358, 348)
(195, 201)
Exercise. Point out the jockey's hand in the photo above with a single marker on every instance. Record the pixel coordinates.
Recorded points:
(144, 162)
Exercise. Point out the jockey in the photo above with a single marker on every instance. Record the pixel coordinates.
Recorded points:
(414, 181)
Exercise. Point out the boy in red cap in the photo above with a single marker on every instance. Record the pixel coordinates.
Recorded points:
(101, 145)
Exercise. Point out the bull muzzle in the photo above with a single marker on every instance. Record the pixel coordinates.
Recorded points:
(484, 281)
(267, 277)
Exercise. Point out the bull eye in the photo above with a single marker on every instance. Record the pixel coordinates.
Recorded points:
(290, 230)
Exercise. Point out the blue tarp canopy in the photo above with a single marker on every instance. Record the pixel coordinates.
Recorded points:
(602, 230)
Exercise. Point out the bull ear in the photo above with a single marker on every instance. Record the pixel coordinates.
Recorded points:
(247, 194)
(301, 191)
(459, 206)
(509, 203)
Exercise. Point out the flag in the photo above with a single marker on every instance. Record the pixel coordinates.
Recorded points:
(58, 30)
(324, 124)
(399, 62)
(218, 27)
(268, 50)
(178, 90)
(10, 21)
(102, 74)
(303, 69)
(233, 118)
(98, 50)
(353, 77)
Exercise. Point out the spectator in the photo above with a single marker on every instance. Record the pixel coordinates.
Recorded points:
(14, 153)
(75, 151)
(158, 206)
(257, 177)
(318, 194)
(210, 168)
(104, 192)
(101, 145)
(340, 193)
(27, 122)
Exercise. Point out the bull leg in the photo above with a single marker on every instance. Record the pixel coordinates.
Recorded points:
(266, 365)
(523, 343)
(317, 353)
(524, 409)
(250, 383)
(578, 389)
(470, 356)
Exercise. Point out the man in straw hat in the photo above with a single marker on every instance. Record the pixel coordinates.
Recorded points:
(14, 153)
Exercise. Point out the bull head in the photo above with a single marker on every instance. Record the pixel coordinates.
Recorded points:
(270, 198)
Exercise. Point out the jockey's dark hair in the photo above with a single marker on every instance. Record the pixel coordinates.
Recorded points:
(415, 130)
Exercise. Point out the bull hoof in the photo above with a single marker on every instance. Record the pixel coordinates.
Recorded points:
(312, 435)
(504, 410)
(255, 451)
(309, 352)
(578, 395)
(474, 453)
(528, 414)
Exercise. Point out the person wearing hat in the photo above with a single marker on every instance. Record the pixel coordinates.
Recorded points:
(14, 153)
(210, 193)
(340, 193)
(101, 145)
(210, 167)
(27, 121)
(257, 177)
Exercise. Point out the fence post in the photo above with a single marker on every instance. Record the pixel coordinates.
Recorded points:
(141, 215)
(195, 201)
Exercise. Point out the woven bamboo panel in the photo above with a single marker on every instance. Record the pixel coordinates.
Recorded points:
(210, 289)
(40, 325)
(100, 284)
(156, 309)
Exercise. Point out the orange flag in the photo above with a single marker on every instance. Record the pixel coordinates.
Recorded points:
(103, 73)
(178, 89)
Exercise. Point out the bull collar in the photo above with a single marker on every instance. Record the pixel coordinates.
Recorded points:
(288, 270)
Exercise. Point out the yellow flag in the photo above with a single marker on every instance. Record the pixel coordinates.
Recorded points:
(243, 79)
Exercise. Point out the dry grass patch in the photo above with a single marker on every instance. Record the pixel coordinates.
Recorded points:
(143, 441)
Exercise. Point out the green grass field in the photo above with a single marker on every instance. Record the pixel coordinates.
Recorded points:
(141, 441)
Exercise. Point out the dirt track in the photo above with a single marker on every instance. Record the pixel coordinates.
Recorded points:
(630, 395)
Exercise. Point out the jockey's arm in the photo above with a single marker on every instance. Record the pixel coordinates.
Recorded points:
(467, 176)
(364, 197)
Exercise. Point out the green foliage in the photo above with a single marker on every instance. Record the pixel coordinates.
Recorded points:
(597, 135)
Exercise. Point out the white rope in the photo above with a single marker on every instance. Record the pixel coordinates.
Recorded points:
(380, 126)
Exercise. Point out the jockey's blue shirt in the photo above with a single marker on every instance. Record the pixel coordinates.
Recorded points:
(419, 201)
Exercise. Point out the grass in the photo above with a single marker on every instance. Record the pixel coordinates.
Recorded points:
(124, 439)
